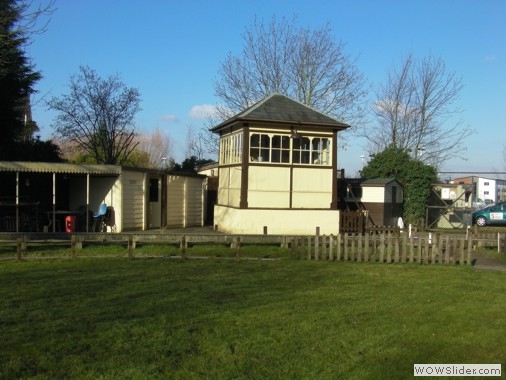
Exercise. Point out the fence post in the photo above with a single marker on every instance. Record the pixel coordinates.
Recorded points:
(338, 248)
(462, 243)
(73, 246)
(19, 245)
(366, 248)
(359, 248)
(309, 247)
(425, 248)
(130, 246)
(397, 248)
(447, 250)
(389, 247)
(24, 244)
(184, 246)
(404, 248)
(382, 248)
(345, 247)
(419, 257)
(440, 248)
(454, 250)
(411, 247)
(433, 247)
(331, 247)
(317, 243)
(324, 247)
(469, 249)
(352, 248)
(284, 242)
(237, 246)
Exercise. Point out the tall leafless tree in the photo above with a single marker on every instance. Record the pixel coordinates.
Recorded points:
(416, 111)
(195, 143)
(158, 147)
(304, 64)
(98, 115)
(308, 65)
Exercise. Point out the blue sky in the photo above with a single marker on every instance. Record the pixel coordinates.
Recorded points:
(171, 51)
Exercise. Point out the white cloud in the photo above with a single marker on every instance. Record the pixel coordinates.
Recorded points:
(489, 58)
(202, 112)
(169, 118)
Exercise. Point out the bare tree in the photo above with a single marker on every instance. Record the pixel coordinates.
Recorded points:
(304, 64)
(195, 143)
(414, 110)
(158, 147)
(98, 115)
(210, 141)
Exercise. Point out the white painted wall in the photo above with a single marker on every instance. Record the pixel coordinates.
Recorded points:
(134, 201)
(487, 189)
(373, 194)
(269, 187)
(185, 201)
(278, 222)
(312, 188)
(229, 189)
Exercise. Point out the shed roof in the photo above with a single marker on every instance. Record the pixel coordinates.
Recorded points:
(378, 181)
(54, 167)
(278, 108)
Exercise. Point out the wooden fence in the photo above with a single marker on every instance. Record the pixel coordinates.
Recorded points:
(376, 246)
(387, 248)
(76, 241)
(489, 237)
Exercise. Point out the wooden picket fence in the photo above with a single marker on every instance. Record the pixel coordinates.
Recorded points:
(490, 237)
(423, 248)
(385, 245)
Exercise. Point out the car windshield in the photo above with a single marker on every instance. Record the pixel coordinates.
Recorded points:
(496, 207)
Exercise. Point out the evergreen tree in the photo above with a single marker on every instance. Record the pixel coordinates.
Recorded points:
(17, 79)
(416, 177)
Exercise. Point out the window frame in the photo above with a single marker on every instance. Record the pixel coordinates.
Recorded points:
(278, 148)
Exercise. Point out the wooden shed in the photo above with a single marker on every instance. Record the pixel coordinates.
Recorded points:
(38, 196)
(383, 198)
(186, 200)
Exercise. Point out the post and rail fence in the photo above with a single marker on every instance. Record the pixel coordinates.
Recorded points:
(382, 245)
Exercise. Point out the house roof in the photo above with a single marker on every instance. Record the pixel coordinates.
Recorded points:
(278, 108)
(52, 167)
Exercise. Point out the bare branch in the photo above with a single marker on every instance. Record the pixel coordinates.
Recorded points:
(304, 64)
(414, 112)
(158, 147)
(98, 115)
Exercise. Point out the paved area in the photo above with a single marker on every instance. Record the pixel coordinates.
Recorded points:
(483, 262)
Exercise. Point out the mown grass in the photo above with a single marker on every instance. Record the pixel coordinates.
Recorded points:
(114, 318)
(48, 250)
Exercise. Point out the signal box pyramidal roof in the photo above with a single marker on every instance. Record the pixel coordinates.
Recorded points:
(280, 109)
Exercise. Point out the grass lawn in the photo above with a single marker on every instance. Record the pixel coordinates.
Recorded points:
(166, 318)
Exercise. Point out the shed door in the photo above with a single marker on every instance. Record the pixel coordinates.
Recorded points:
(155, 204)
